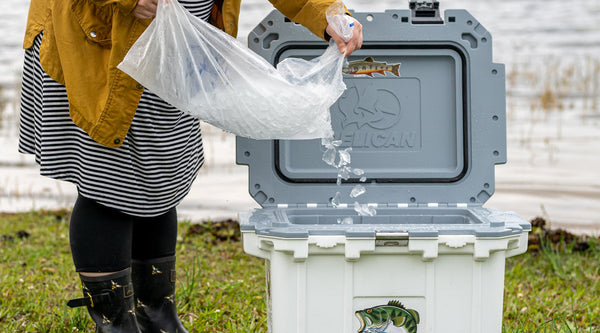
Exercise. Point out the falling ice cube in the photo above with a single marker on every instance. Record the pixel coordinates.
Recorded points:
(345, 158)
(329, 156)
(344, 172)
(358, 172)
(330, 142)
(357, 190)
(364, 209)
(335, 201)
(363, 179)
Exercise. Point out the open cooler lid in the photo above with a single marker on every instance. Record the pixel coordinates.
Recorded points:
(430, 135)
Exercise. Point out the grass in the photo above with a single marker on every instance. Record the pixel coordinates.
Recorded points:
(554, 288)
(220, 289)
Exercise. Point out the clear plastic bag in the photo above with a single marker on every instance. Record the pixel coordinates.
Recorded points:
(203, 71)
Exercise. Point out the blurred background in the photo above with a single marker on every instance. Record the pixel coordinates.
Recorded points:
(551, 49)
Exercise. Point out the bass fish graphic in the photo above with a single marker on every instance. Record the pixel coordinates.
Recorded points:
(390, 318)
(370, 66)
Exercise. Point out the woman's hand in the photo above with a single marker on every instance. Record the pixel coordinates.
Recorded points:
(145, 9)
(353, 44)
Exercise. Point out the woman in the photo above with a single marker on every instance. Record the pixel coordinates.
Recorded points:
(132, 156)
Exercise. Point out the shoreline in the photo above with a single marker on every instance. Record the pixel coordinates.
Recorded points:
(220, 191)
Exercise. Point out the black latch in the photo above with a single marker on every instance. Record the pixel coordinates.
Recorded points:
(425, 12)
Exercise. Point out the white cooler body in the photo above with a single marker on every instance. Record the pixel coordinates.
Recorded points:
(453, 282)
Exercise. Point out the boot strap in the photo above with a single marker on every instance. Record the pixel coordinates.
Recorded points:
(91, 300)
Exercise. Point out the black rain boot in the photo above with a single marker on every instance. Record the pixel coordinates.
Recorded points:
(154, 285)
(109, 300)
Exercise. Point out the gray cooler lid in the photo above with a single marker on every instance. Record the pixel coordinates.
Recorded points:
(431, 135)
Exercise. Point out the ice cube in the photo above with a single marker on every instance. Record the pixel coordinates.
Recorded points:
(330, 142)
(358, 172)
(335, 201)
(363, 179)
(345, 158)
(329, 156)
(357, 190)
(344, 172)
(364, 209)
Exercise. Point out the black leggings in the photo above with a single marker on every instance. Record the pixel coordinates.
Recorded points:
(104, 239)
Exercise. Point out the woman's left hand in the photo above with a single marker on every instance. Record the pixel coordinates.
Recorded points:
(353, 44)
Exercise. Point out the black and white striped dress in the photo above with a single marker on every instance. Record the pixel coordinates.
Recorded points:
(149, 174)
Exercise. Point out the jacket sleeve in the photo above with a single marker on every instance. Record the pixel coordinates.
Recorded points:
(309, 13)
(126, 6)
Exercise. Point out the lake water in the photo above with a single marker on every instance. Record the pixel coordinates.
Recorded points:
(551, 49)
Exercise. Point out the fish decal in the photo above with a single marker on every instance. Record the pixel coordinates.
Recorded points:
(390, 318)
(370, 66)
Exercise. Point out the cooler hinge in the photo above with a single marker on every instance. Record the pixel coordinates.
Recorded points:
(425, 12)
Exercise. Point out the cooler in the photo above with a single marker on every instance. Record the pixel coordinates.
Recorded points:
(427, 137)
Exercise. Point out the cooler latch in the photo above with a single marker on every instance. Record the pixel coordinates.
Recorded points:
(391, 238)
(425, 12)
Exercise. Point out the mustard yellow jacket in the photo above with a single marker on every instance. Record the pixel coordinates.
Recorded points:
(84, 40)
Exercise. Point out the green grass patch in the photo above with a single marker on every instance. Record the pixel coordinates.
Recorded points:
(555, 287)
(221, 289)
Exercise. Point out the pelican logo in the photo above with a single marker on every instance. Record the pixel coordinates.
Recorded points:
(377, 108)
(379, 113)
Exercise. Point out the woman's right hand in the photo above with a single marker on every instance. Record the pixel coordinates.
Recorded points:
(145, 9)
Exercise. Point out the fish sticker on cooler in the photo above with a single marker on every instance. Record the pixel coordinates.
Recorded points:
(390, 318)
(370, 66)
